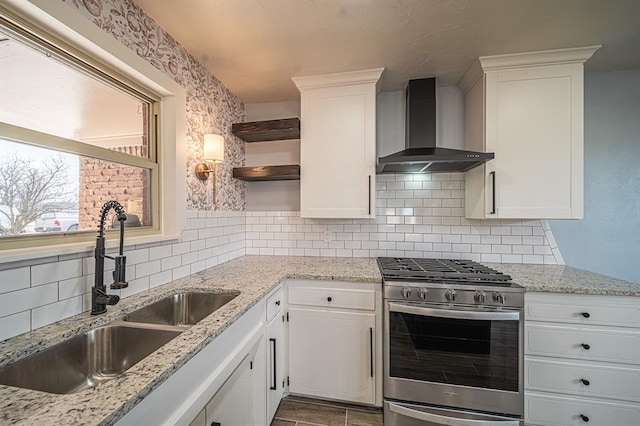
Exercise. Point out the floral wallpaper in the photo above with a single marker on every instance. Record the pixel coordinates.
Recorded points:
(211, 107)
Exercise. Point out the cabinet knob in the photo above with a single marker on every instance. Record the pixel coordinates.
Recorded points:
(329, 299)
(585, 314)
(585, 346)
(277, 303)
(584, 418)
(585, 382)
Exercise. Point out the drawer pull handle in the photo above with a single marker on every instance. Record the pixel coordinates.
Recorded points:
(585, 314)
(584, 418)
(585, 346)
(277, 303)
(585, 382)
(329, 299)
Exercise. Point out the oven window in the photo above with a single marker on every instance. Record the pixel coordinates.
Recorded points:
(478, 353)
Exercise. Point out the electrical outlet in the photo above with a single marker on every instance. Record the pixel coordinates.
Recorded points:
(327, 236)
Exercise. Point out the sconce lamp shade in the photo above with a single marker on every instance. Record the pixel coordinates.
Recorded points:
(213, 148)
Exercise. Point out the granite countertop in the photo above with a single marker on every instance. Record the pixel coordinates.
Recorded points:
(253, 277)
(566, 279)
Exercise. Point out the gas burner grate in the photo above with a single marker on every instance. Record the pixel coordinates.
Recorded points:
(441, 270)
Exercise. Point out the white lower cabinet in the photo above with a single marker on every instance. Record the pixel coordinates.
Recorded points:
(330, 354)
(276, 353)
(557, 410)
(232, 405)
(335, 352)
(224, 383)
(581, 360)
(331, 348)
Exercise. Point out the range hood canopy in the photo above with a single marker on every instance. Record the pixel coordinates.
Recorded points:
(421, 154)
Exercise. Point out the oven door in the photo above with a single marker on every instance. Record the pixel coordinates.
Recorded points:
(462, 357)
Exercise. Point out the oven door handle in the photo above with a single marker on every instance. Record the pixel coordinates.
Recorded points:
(447, 420)
(449, 313)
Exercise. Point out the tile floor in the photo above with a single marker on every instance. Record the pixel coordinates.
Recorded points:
(298, 411)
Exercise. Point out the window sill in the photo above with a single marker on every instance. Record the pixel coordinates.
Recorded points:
(81, 249)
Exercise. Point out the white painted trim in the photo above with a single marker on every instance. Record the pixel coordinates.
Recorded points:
(542, 57)
(66, 23)
(339, 79)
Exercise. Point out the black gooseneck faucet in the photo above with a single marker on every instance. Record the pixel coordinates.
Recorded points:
(99, 297)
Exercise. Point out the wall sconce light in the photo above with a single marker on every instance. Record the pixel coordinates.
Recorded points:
(213, 153)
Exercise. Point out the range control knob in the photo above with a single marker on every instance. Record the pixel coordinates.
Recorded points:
(480, 296)
(498, 297)
(422, 293)
(406, 292)
(450, 295)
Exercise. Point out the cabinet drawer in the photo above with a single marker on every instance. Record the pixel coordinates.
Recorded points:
(583, 309)
(333, 297)
(274, 304)
(583, 379)
(581, 343)
(550, 410)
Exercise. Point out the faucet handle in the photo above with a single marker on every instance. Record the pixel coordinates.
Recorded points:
(119, 280)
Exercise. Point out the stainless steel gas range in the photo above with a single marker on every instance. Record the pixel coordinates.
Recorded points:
(453, 344)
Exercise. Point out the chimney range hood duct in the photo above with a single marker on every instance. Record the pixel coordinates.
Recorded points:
(421, 154)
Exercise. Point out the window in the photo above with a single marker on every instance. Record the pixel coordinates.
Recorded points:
(73, 135)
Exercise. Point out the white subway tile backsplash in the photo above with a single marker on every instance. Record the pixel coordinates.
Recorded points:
(171, 263)
(15, 279)
(535, 259)
(50, 272)
(180, 272)
(159, 279)
(147, 268)
(543, 250)
(522, 249)
(75, 286)
(417, 215)
(56, 311)
(22, 300)
(536, 241)
(159, 252)
(490, 258)
(15, 324)
(470, 239)
(490, 239)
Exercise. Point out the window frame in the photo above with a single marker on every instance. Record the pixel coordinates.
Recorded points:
(63, 26)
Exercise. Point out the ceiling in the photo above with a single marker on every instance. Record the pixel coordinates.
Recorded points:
(255, 46)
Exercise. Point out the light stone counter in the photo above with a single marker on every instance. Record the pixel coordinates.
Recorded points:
(253, 277)
(566, 279)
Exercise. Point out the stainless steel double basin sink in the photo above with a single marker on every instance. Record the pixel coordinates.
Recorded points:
(102, 354)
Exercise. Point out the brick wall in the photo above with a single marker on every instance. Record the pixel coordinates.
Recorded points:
(101, 181)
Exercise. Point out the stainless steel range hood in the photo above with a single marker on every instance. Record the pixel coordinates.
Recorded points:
(421, 154)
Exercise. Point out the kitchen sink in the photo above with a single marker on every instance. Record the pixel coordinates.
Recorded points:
(181, 309)
(87, 360)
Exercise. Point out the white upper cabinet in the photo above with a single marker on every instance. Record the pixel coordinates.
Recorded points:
(528, 109)
(338, 144)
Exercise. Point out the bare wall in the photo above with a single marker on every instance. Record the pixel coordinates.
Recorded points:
(607, 240)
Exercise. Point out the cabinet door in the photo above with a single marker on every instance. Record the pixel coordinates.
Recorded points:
(232, 405)
(331, 354)
(533, 122)
(337, 152)
(535, 127)
(275, 365)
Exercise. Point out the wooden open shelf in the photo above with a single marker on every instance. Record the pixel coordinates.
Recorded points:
(286, 172)
(271, 130)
